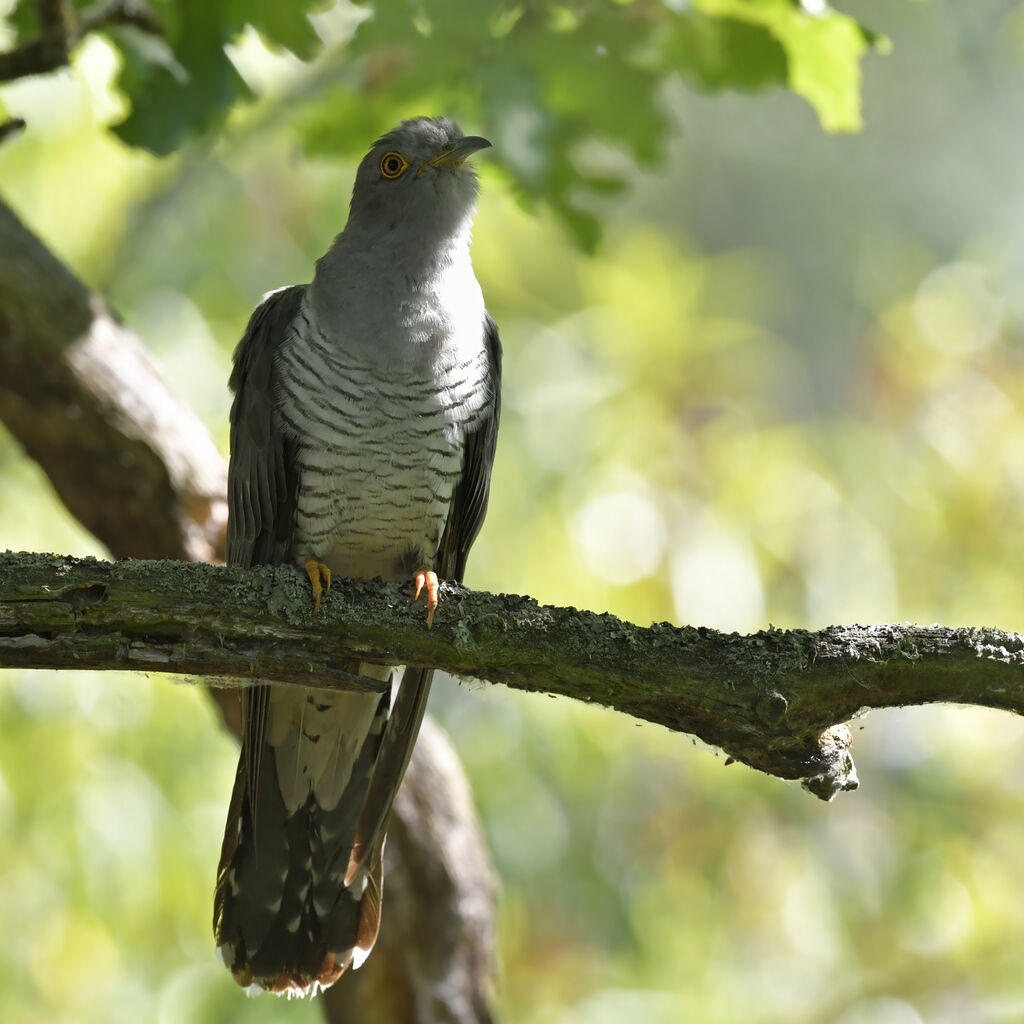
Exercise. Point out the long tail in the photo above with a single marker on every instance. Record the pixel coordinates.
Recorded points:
(286, 917)
(299, 884)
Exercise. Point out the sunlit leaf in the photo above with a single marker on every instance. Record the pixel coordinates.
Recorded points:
(823, 49)
(192, 90)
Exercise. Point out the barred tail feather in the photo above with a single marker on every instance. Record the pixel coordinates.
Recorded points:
(285, 918)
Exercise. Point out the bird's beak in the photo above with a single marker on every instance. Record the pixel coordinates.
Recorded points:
(453, 157)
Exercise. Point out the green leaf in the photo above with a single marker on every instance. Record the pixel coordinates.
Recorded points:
(281, 25)
(719, 53)
(824, 63)
(181, 90)
(23, 20)
(545, 80)
(823, 53)
(189, 86)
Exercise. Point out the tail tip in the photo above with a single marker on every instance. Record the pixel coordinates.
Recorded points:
(290, 983)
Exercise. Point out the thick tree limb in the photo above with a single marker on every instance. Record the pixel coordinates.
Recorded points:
(83, 396)
(775, 700)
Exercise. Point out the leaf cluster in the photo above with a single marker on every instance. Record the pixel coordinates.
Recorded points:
(548, 79)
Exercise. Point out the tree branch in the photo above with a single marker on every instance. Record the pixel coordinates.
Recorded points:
(80, 391)
(60, 31)
(10, 127)
(775, 700)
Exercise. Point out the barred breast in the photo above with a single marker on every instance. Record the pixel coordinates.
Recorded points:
(380, 448)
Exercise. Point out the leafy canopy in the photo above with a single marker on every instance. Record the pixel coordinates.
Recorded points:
(544, 77)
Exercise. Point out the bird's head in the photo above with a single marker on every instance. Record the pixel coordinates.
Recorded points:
(416, 176)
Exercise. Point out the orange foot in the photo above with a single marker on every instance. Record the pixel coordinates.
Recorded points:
(317, 571)
(427, 579)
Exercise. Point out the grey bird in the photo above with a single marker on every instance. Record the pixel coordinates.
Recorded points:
(363, 431)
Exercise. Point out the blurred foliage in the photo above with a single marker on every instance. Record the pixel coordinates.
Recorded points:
(787, 387)
(552, 75)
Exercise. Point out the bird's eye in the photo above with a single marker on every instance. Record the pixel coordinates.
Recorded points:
(393, 164)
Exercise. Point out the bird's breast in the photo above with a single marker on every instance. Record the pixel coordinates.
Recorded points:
(379, 449)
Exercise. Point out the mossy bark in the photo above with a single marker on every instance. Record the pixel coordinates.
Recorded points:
(776, 700)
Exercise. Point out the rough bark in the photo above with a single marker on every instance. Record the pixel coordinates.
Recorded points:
(82, 395)
(776, 700)
(135, 465)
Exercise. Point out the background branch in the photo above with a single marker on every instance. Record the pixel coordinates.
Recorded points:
(84, 398)
(61, 29)
(775, 700)
(11, 126)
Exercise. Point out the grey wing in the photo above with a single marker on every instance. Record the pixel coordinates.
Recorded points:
(469, 505)
(262, 481)
(262, 478)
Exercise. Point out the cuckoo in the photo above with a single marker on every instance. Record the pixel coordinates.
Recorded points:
(363, 431)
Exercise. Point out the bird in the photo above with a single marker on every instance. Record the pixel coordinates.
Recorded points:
(362, 435)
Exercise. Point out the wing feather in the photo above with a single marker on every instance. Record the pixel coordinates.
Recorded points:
(261, 474)
(262, 479)
(469, 504)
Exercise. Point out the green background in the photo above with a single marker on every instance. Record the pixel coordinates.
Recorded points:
(759, 369)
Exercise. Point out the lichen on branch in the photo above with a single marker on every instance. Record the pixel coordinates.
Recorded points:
(776, 699)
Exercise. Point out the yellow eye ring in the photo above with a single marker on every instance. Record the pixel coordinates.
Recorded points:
(393, 165)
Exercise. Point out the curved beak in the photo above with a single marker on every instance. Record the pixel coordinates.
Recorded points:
(466, 146)
(455, 155)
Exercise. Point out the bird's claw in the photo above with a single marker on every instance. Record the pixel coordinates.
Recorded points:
(426, 579)
(317, 571)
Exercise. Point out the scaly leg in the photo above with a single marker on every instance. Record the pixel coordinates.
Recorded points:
(426, 579)
(317, 571)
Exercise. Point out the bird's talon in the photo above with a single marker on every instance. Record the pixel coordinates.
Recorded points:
(427, 579)
(317, 571)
